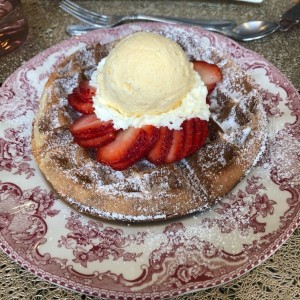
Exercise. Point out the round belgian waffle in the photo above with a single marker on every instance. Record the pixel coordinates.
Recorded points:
(146, 192)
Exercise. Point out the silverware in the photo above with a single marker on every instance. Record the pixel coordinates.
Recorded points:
(105, 21)
(248, 31)
(254, 30)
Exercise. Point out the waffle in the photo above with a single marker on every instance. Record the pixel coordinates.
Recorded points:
(146, 192)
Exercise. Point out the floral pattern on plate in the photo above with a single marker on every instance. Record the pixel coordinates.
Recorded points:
(149, 261)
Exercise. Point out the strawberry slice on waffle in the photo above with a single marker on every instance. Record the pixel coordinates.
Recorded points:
(160, 149)
(96, 142)
(81, 99)
(88, 127)
(129, 145)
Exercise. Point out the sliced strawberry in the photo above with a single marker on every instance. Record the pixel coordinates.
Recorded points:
(125, 163)
(96, 142)
(89, 127)
(196, 136)
(209, 73)
(81, 98)
(188, 128)
(152, 134)
(86, 91)
(128, 145)
(177, 145)
(200, 134)
(208, 99)
(122, 165)
(161, 148)
(83, 107)
(204, 133)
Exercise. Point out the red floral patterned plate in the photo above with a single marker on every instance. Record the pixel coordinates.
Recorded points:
(115, 260)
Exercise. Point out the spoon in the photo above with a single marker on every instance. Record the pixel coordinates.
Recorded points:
(251, 30)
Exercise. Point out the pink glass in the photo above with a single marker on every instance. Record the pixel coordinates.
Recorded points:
(13, 26)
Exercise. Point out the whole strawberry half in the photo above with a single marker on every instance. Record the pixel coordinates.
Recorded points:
(209, 73)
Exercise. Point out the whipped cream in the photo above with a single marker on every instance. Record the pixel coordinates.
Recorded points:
(193, 105)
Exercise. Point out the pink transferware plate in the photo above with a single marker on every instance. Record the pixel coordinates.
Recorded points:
(148, 261)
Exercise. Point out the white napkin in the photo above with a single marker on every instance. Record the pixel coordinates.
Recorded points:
(252, 1)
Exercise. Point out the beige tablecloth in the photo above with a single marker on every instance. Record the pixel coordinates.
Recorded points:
(276, 278)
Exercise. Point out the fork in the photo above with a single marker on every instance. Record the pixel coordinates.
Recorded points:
(105, 21)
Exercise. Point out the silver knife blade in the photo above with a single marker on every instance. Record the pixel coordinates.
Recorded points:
(290, 18)
(293, 13)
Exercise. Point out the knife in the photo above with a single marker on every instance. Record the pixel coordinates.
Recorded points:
(290, 18)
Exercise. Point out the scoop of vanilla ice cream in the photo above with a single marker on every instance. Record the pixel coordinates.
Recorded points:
(145, 73)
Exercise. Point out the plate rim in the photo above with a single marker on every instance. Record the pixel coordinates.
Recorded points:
(184, 289)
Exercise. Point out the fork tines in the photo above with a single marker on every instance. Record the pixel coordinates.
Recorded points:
(83, 14)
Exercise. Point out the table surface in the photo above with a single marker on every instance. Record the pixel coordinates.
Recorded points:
(276, 278)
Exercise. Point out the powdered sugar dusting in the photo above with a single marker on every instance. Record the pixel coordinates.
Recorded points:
(145, 189)
(161, 259)
(33, 75)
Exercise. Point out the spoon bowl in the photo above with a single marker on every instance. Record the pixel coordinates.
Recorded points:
(252, 30)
